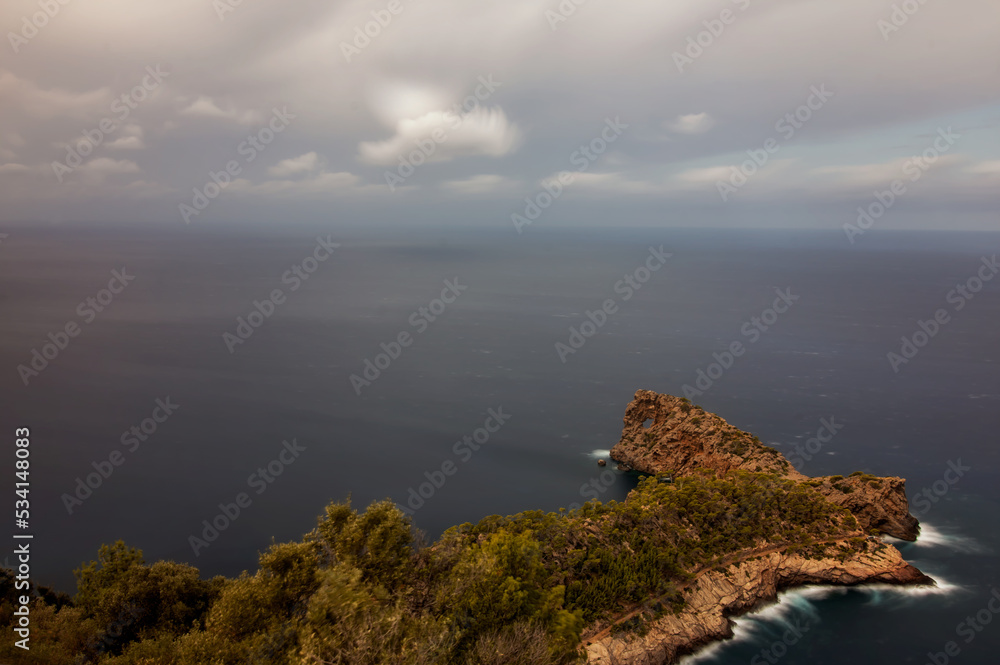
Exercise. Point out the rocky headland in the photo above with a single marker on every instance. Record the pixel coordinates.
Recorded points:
(668, 437)
(663, 434)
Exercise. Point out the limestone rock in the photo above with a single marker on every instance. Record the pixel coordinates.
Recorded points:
(667, 434)
(716, 595)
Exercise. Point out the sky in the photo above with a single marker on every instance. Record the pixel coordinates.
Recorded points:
(515, 114)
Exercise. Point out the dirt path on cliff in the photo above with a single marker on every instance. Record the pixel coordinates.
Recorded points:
(722, 564)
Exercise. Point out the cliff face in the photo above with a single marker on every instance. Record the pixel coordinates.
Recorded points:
(666, 434)
(877, 502)
(715, 595)
(663, 433)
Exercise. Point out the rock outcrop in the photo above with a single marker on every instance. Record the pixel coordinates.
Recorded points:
(667, 435)
(664, 434)
(878, 503)
(715, 595)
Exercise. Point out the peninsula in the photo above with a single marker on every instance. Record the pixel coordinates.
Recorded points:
(719, 524)
(670, 438)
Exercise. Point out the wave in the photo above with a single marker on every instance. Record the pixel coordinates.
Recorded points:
(769, 622)
(900, 596)
(599, 454)
(932, 536)
(798, 607)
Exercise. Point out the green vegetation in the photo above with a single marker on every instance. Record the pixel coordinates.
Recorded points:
(873, 481)
(361, 589)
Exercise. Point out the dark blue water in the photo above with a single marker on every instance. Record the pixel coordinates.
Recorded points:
(493, 347)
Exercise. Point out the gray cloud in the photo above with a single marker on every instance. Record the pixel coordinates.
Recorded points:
(357, 116)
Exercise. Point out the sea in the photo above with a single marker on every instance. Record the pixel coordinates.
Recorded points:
(203, 392)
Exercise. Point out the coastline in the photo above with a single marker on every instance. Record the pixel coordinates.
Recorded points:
(741, 589)
(669, 437)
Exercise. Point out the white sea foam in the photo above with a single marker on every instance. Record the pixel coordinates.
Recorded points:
(599, 454)
(932, 536)
(770, 621)
(801, 605)
(900, 596)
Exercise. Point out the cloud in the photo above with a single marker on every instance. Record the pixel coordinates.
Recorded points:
(296, 165)
(109, 166)
(692, 123)
(42, 103)
(881, 174)
(130, 139)
(97, 170)
(609, 183)
(7, 141)
(323, 184)
(703, 175)
(991, 168)
(397, 100)
(14, 168)
(444, 136)
(486, 183)
(127, 143)
(205, 107)
(937, 70)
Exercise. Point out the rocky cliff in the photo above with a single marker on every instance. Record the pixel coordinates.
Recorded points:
(715, 595)
(667, 435)
(878, 503)
(663, 434)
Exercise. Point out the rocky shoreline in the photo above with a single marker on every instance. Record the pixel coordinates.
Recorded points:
(740, 588)
(665, 435)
